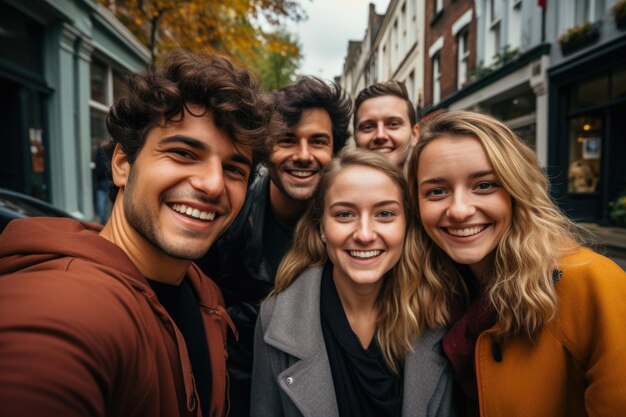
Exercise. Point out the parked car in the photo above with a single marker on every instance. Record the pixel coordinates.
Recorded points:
(14, 205)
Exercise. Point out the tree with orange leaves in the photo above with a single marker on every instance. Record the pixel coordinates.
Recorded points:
(231, 27)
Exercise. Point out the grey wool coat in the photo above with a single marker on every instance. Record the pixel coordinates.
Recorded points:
(292, 377)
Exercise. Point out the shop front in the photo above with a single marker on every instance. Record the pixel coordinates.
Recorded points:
(587, 149)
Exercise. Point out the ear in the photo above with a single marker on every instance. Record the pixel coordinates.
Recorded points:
(415, 134)
(120, 167)
(322, 234)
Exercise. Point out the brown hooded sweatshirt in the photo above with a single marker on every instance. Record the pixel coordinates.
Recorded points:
(83, 334)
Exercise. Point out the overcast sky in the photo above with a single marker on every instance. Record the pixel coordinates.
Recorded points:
(324, 36)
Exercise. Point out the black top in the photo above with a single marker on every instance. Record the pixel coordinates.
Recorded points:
(276, 240)
(364, 386)
(181, 302)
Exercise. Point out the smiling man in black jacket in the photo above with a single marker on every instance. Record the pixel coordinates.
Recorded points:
(244, 260)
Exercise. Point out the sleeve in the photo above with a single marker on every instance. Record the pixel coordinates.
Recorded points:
(265, 395)
(593, 308)
(61, 348)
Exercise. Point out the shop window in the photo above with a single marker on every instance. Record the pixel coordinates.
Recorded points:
(589, 93)
(106, 85)
(618, 83)
(99, 82)
(513, 107)
(21, 39)
(585, 154)
(527, 134)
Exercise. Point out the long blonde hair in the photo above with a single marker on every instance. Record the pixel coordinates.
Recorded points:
(521, 284)
(397, 324)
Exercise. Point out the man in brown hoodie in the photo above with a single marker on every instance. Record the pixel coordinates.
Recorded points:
(118, 321)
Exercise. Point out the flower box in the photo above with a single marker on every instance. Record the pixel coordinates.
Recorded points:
(579, 37)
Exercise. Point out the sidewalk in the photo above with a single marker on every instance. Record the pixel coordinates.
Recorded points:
(614, 239)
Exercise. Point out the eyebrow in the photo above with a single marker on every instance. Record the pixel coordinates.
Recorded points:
(379, 204)
(473, 175)
(201, 146)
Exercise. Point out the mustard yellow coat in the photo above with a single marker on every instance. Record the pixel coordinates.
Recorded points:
(577, 365)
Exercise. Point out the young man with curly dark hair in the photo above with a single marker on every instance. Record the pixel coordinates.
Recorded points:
(118, 321)
(243, 262)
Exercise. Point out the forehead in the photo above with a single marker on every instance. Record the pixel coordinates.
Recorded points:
(198, 123)
(449, 154)
(382, 106)
(362, 185)
(314, 118)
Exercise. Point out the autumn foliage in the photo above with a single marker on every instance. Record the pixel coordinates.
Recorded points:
(239, 28)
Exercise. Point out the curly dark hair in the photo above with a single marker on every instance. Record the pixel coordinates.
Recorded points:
(160, 94)
(311, 92)
(388, 88)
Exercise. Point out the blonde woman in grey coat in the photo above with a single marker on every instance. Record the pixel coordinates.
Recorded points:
(340, 335)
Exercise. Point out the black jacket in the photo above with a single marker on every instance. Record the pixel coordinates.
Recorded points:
(236, 263)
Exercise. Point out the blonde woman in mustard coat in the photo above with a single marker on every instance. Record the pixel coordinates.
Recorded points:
(536, 320)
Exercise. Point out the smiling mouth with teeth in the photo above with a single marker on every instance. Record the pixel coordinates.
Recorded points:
(194, 213)
(466, 232)
(301, 174)
(364, 254)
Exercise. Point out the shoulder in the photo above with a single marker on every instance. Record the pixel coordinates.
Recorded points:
(78, 295)
(297, 301)
(585, 271)
(591, 294)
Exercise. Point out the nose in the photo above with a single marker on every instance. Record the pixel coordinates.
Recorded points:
(364, 232)
(380, 134)
(380, 129)
(209, 179)
(461, 207)
(303, 153)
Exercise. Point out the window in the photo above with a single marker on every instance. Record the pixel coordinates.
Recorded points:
(585, 151)
(463, 54)
(105, 85)
(588, 11)
(436, 78)
(410, 86)
(494, 35)
(514, 36)
(438, 6)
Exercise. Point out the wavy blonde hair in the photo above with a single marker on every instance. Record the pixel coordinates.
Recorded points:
(397, 325)
(521, 284)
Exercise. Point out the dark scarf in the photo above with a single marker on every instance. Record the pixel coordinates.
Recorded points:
(364, 386)
(460, 342)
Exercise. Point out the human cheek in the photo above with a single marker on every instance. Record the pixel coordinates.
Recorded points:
(323, 156)
(236, 194)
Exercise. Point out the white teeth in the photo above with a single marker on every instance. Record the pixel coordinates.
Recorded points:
(302, 174)
(193, 212)
(467, 232)
(364, 253)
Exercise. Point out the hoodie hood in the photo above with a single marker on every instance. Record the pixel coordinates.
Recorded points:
(28, 242)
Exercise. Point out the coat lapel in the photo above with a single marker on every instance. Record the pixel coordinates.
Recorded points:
(295, 328)
(423, 372)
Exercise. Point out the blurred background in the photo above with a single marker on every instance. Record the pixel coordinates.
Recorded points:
(553, 70)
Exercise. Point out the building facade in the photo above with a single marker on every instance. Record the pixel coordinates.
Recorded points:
(450, 49)
(587, 106)
(61, 65)
(391, 49)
